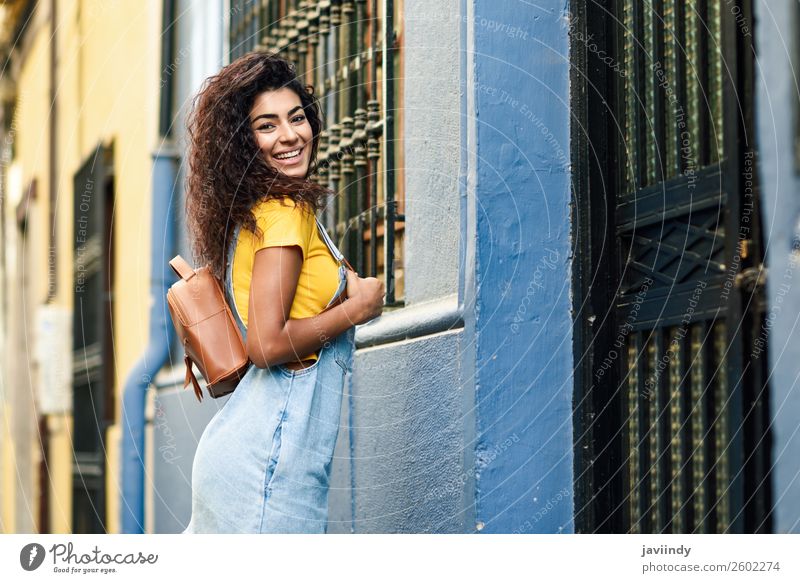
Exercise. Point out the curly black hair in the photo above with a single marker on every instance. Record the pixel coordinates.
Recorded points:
(227, 174)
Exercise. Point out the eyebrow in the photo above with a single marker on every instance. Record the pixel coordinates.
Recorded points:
(274, 116)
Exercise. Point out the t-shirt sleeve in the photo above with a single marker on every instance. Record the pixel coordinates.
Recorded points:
(284, 223)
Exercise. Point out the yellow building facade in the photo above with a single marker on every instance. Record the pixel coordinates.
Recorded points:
(80, 91)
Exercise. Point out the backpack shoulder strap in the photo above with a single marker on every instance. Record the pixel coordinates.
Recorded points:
(182, 268)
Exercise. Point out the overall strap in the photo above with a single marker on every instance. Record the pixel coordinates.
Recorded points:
(331, 246)
(228, 281)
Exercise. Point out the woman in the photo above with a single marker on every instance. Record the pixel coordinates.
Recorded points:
(263, 462)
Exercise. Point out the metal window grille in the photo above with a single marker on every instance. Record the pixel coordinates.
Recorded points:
(349, 51)
(690, 376)
(678, 380)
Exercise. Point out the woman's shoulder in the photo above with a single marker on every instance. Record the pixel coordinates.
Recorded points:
(272, 206)
(284, 217)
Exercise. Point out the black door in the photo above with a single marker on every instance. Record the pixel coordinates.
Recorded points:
(671, 395)
(93, 404)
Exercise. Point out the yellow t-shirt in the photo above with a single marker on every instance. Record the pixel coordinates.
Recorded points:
(282, 223)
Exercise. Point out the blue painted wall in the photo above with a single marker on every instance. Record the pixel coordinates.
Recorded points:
(776, 119)
(517, 244)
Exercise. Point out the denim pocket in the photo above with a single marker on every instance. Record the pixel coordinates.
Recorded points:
(343, 349)
(302, 371)
(340, 361)
(272, 461)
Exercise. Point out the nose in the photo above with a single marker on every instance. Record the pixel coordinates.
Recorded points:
(288, 134)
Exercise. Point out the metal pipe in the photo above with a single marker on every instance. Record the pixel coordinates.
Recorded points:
(161, 332)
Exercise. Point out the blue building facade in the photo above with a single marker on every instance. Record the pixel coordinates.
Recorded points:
(778, 137)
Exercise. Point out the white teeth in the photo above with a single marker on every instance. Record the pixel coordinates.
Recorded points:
(288, 154)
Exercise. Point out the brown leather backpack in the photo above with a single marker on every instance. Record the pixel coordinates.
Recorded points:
(206, 328)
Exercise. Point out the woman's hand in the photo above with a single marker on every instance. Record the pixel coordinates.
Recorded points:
(367, 293)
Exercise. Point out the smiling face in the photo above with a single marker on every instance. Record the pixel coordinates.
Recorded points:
(282, 131)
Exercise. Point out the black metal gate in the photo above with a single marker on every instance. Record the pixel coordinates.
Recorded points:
(671, 395)
(93, 357)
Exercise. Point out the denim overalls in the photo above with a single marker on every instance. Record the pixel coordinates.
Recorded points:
(263, 462)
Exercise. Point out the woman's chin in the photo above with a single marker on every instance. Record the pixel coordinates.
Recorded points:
(293, 172)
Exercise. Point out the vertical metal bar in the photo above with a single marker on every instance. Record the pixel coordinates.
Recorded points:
(259, 25)
(676, 366)
(333, 170)
(664, 435)
(252, 25)
(277, 25)
(350, 209)
(721, 428)
(687, 447)
(710, 422)
(281, 38)
(388, 150)
(654, 434)
(354, 49)
(654, 110)
(329, 95)
(645, 394)
(672, 77)
(340, 111)
(631, 95)
(634, 435)
(373, 142)
(649, 483)
(659, 93)
(241, 31)
(640, 94)
(760, 439)
(290, 30)
(702, 78)
(680, 81)
(232, 29)
(269, 26)
(300, 26)
(261, 44)
(313, 45)
(715, 127)
(699, 414)
(695, 95)
(266, 25)
(337, 210)
(360, 131)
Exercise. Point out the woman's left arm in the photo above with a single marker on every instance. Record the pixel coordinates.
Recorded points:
(272, 337)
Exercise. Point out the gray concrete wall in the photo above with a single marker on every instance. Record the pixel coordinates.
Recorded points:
(175, 423)
(399, 463)
(431, 131)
